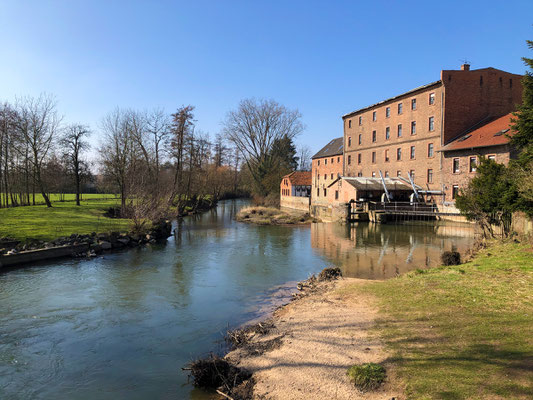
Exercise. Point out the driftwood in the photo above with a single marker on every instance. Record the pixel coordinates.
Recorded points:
(224, 395)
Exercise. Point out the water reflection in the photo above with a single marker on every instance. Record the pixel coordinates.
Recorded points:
(380, 251)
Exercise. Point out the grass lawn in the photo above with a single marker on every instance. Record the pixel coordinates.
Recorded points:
(463, 332)
(54, 197)
(63, 219)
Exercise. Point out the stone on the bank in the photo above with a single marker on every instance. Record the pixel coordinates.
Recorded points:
(105, 245)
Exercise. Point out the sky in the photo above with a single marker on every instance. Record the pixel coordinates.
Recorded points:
(324, 58)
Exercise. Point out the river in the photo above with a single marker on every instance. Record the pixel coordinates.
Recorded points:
(122, 326)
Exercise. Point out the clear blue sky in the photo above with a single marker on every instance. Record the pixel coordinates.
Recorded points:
(325, 58)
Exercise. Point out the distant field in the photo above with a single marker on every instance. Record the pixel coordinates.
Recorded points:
(71, 197)
(63, 219)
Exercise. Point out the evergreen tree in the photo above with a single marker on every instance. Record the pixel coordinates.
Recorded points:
(522, 138)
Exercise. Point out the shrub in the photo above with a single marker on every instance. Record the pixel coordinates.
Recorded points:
(450, 258)
(329, 274)
(367, 376)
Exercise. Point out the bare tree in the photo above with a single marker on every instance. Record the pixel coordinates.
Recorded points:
(117, 150)
(254, 127)
(37, 124)
(74, 144)
(304, 156)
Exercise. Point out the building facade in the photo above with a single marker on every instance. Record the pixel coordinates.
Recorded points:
(326, 166)
(403, 135)
(461, 156)
(295, 190)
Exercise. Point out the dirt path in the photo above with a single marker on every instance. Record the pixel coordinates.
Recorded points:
(317, 338)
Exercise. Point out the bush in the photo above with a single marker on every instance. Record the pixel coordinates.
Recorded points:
(450, 258)
(329, 274)
(368, 376)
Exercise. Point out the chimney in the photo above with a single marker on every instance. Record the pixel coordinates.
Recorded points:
(465, 67)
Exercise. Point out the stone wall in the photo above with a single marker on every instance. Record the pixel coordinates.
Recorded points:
(295, 203)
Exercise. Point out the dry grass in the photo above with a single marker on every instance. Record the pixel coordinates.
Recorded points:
(271, 216)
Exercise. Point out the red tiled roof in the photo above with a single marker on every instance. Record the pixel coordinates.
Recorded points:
(299, 178)
(491, 134)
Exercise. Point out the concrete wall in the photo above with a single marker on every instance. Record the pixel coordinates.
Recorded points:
(42, 254)
(295, 203)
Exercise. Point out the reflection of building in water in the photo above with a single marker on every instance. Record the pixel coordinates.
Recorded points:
(378, 251)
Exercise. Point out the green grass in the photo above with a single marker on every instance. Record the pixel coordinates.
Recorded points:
(54, 197)
(462, 332)
(63, 219)
(368, 376)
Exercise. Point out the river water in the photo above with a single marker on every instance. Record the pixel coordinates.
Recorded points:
(122, 326)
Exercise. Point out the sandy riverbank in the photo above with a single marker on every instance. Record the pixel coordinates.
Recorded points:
(315, 339)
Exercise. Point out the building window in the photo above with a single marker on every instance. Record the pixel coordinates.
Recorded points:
(359, 158)
(431, 124)
(373, 174)
(359, 174)
(413, 104)
(473, 164)
(325, 161)
(398, 173)
(430, 149)
(349, 123)
(374, 136)
(413, 127)
(374, 116)
(360, 121)
(338, 159)
(336, 195)
(318, 163)
(317, 192)
(412, 152)
(430, 176)
(386, 174)
(455, 191)
(349, 160)
(373, 157)
(400, 108)
(387, 133)
(412, 174)
(325, 176)
(325, 192)
(510, 83)
(432, 98)
(332, 160)
(399, 130)
(399, 153)
(387, 155)
(492, 157)
(331, 176)
(455, 165)
(349, 141)
(387, 112)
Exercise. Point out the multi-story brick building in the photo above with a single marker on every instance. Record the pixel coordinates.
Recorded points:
(403, 135)
(326, 166)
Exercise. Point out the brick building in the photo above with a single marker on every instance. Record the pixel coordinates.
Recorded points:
(403, 135)
(326, 166)
(461, 156)
(295, 190)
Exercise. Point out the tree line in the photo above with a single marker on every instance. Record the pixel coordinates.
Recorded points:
(153, 160)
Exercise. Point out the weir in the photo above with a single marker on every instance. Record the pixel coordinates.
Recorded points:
(383, 212)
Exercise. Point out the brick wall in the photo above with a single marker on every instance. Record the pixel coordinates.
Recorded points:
(359, 159)
(450, 178)
(472, 96)
(324, 171)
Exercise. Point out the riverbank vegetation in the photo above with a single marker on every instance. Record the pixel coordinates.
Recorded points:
(461, 332)
(271, 216)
